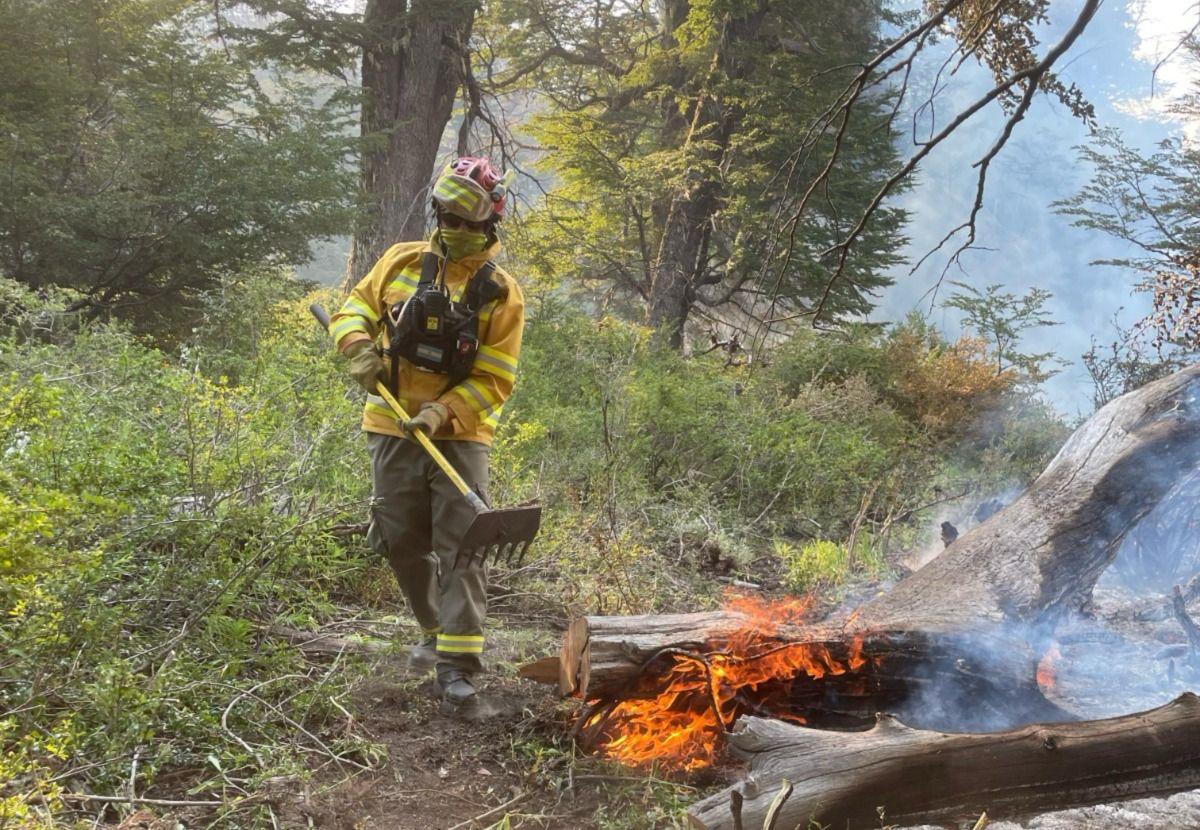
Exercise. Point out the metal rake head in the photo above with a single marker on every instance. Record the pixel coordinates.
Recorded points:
(501, 535)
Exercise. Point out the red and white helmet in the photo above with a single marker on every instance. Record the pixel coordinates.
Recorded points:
(472, 188)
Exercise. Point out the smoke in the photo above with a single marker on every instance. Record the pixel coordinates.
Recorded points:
(1124, 652)
(1127, 654)
(1164, 548)
(960, 515)
(983, 683)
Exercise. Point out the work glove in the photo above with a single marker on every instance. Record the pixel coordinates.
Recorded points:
(432, 417)
(365, 364)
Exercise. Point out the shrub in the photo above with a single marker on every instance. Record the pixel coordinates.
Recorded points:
(155, 519)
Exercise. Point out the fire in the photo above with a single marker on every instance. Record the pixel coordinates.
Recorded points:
(1047, 671)
(699, 696)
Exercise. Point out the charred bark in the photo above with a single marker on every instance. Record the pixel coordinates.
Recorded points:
(411, 72)
(908, 776)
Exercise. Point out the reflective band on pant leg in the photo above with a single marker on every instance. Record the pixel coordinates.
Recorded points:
(460, 643)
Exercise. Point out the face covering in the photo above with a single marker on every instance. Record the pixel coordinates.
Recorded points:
(460, 242)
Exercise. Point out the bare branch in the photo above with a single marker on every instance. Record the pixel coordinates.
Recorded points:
(1030, 76)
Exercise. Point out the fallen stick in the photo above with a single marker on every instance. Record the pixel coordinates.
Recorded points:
(512, 802)
(1188, 625)
(141, 802)
(910, 776)
(312, 642)
(1191, 592)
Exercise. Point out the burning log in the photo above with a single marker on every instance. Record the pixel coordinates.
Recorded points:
(602, 656)
(911, 776)
(972, 625)
(1029, 564)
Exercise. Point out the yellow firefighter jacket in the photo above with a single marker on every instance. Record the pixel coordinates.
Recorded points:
(474, 404)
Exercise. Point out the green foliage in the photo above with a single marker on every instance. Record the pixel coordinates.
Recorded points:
(697, 107)
(806, 565)
(822, 563)
(1150, 202)
(643, 456)
(155, 516)
(1000, 318)
(143, 161)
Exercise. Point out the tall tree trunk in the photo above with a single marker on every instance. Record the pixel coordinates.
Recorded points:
(411, 73)
(683, 248)
(682, 251)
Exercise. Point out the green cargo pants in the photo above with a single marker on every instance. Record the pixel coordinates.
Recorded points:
(417, 520)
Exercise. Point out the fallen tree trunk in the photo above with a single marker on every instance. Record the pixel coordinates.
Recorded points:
(908, 776)
(603, 655)
(986, 606)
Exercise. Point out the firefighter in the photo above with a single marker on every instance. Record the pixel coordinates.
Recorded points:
(440, 324)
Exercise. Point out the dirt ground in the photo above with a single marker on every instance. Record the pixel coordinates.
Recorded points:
(517, 767)
(441, 771)
(512, 766)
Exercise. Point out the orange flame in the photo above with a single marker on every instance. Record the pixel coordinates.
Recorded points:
(1047, 670)
(698, 697)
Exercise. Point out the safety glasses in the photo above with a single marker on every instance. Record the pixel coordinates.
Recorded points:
(454, 222)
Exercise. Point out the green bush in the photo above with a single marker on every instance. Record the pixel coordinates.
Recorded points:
(159, 509)
(645, 457)
(156, 516)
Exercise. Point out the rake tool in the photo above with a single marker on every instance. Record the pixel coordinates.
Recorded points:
(503, 534)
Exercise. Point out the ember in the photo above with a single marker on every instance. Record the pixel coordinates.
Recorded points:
(1047, 673)
(698, 696)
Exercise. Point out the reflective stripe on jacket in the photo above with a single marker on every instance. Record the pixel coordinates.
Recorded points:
(476, 402)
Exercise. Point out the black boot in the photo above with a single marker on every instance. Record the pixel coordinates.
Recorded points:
(458, 691)
(423, 655)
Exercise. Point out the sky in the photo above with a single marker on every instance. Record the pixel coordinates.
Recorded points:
(1031, 245)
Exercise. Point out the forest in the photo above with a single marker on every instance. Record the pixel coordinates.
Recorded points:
(717, 407)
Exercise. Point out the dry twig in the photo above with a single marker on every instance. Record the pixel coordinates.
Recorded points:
(512, 802)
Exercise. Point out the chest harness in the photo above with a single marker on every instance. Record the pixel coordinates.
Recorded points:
(435, 333)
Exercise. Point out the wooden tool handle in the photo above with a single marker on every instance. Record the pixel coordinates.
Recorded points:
(432, 449)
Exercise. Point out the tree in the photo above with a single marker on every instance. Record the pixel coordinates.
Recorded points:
(412, 58)
(1002, 37)
(142, 164)
(1151, 202)
(1122, 365)
(1000, 318)
(412, 68)
(733, 159)
(671, 139)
